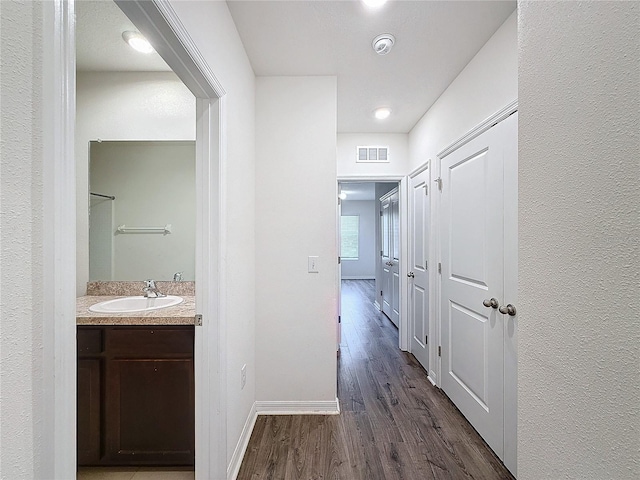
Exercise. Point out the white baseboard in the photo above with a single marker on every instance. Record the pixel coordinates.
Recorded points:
(358, 277)
(328, 407)
(238, 454)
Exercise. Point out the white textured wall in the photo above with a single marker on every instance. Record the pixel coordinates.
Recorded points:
(154, 185)
(212, 29)
(487, 84)
(398, 154)
(579, 151)
(21, 233)
(124, 106)
(365, 266)
(296, 311)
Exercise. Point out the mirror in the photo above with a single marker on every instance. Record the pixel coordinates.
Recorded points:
(142, 210)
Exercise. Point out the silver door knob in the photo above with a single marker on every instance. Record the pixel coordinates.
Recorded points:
(508, 309)
(410, 275)
(493, 303)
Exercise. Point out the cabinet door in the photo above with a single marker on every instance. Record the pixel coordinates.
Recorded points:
(150, 411)
(88, 426)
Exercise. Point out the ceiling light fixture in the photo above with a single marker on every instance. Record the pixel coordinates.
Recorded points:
(382, 113)
(342, 196)
(137, 41)
(383, 43)
(374, 3)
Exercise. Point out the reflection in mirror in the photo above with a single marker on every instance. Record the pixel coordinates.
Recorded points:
(149, 188)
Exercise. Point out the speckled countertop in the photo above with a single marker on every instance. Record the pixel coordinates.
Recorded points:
(181, 314)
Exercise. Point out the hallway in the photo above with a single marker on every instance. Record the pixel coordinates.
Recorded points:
(393, 423)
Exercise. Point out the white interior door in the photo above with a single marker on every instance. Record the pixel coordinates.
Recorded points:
(472, 251)
(395, 259)
(418, 274)
(390, 255)
(385, 254)
(339, 272)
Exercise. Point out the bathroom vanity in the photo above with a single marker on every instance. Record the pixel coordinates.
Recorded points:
(135, 386)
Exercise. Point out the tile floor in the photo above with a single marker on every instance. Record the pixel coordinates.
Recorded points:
(135, 473)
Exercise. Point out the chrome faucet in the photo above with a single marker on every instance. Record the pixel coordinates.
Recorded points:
(177, 277)
(151, 291)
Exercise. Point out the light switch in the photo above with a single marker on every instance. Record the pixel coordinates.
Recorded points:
(313, 264)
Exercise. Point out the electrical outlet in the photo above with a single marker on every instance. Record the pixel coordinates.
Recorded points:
(243, 376)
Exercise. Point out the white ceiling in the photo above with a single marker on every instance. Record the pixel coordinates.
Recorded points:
(99, 43)
(434, 41)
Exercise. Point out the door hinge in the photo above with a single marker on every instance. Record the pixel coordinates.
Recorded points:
(339, 260)
(439, 182)
(426, 265)
(426, 190)
(439, 351)
(439, 267)
(381, 253)
(339, 319)
(198, 320)
(380, 212)
(380, 292)
(426, 339)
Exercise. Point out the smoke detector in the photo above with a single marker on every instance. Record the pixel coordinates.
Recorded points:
(382, 43)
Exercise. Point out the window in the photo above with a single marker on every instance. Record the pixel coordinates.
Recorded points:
(349, 236)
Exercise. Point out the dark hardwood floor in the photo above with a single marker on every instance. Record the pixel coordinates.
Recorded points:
(393, 423)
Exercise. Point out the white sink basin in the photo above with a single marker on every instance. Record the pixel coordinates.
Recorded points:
(135, 304)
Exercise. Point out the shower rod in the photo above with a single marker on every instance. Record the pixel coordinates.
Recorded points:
(110, 197)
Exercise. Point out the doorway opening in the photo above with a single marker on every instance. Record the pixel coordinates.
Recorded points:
(136, 161)
(369, 234)
(163, 28)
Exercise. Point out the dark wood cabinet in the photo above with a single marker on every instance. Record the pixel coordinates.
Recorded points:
(89, 386)
(135, 395)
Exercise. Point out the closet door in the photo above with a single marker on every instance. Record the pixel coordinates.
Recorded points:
(473, 266)
(390, 255)
(419, 199)
(395, 259)
(385, 254)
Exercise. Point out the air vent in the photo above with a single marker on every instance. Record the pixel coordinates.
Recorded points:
(372, 154)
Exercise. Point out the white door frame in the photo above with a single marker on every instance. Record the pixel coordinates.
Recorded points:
(156, 20)
(404, 331)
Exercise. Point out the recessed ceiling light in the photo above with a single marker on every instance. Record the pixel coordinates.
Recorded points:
(374, 3)
(382, 113)
(137, 41)
(343, 195)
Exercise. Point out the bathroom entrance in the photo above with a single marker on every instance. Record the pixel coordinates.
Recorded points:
(132, 364)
